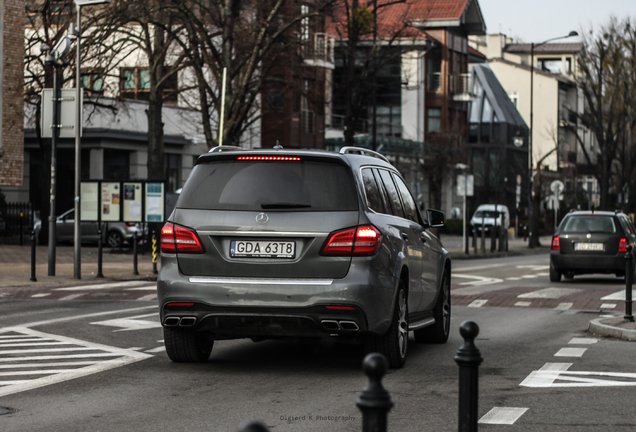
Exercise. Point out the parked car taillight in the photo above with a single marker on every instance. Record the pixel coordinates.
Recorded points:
(622, 246)
(556, 243)
(179, 239)
(130, 224)
(360, 241)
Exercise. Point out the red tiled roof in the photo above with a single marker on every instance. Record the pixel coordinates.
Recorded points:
(396, 16)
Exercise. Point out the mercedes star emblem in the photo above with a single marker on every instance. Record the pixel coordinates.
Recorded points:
(262, 218)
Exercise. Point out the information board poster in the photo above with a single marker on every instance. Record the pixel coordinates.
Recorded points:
(155, 202)
(110, 202)
(132, 202)
(89, 196)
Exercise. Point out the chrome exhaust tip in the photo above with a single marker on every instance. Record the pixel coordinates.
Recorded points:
(349, 325)
(330, 324)
(171, 321)
(187, 321)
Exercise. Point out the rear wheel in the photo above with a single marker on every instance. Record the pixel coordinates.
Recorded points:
(438, 332)
(114, 239)
(186, 346)
(555, 275)
(394, 344)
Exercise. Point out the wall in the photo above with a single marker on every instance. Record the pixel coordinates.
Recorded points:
(11, 101)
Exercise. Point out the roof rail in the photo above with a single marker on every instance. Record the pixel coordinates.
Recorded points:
(224, 148)
(363, 151)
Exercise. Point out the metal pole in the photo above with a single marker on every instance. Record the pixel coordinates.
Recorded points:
(374, 401)
(135, 271)
(530, 200)
(99, 251)
(33, 278)
(222, 106)
(154, 252)
(629, 276)
(464, 211)
(55, 130)
(468, 359)
(77, 232)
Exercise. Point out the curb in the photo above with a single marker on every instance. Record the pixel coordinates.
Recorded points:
(597, 327)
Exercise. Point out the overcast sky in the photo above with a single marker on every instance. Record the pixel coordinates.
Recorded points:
(538, 20)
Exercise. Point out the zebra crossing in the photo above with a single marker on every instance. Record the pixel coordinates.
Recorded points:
(139, 290)
(30, 359)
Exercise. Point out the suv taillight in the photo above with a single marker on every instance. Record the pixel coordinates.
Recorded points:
(556, 243)
(179, 239)
(622, 246)
(360, 241)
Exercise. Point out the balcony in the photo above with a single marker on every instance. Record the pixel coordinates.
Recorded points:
(318, 50)
(462, 88)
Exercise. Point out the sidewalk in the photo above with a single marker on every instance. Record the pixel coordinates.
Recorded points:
(117, 265)
(516, 247)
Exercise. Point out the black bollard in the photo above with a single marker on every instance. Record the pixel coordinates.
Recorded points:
(374, 401)
(21, 228)
(253, 427)
(99, 252)
(135, 272)
(468, 359)
(629, 276)
(33, 278)
(154, 252)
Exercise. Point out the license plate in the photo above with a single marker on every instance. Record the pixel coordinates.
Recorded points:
(588, 246)
(262, 249)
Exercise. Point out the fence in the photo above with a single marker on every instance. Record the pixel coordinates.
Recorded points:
(16, 223)
(375, 402)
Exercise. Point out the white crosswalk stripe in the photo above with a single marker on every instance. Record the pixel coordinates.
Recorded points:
(57, 359)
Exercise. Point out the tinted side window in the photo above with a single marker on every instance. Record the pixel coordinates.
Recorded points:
(284, 186)
(389, 186)
(627, 226)
(408, 201)
(383, 195)
(374, 201)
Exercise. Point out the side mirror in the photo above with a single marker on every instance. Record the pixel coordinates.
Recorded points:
(435, 218)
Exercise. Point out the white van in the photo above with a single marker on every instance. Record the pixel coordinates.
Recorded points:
(488, 214)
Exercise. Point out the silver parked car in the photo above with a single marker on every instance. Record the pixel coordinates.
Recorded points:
(301, 244)
(114, 234)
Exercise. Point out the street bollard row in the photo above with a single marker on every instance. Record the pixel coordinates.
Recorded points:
(375, 402)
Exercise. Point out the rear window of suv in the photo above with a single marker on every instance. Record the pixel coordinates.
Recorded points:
(590, 223)
(270, 185)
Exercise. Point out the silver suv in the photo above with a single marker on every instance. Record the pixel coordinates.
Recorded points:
(272, 243)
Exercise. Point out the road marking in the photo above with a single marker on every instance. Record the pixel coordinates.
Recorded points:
(564, 306)
(502, 415)
(72, 296)
(40, 295)
(112, 357)
(570, 352)
(618, 296)
(148, 297)
(533, 267)
(144, 288)
(103, 286)
(156, 350)
(608, 305)
(583, 341)
(513, 278)
(551, 372)
(522, 304)
(481, 280)
(550, 293)
(529, 276)
(545, 376)
(543, 274)
(478, 303)
(91, 315)
(478, 268)
(131, 323)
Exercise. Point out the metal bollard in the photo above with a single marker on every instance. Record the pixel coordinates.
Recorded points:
(154, 252)
(629, 276)
(135, 271)
(21, 228)
(253, 427)
(374, 401)
(33, 278)
(468, 359)
(493, 238)
(99, 252)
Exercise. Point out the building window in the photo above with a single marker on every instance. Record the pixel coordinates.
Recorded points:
(93, 81)
(514, 97)
(135, 84)
(306, 114)
(434, 120)
(552, 65)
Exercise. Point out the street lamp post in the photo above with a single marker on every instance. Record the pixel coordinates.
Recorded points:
(532, 225)
(77, 232)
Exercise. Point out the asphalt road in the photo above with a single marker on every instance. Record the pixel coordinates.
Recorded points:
(541, 369)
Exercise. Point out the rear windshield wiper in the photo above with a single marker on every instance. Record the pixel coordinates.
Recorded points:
(284, 205)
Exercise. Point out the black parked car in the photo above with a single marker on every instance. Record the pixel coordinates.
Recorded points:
(589, 242)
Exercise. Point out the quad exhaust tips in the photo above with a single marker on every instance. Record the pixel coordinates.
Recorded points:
(179, 322)
(340, 325)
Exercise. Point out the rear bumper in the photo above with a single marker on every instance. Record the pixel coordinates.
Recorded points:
(588, 263)
(252, 307)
